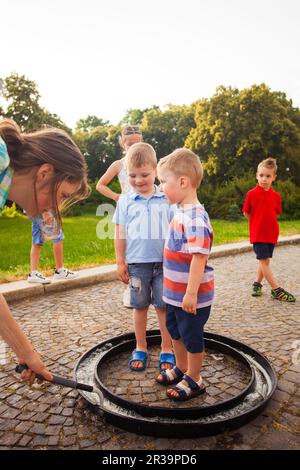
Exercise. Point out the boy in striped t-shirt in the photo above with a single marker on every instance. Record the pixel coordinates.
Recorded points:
(188, 280)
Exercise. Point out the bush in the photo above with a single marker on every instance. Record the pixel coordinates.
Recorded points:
(10, 212)
(96, 198)
(290, 194)
(226, 201)
(234, 212)
(93, 201)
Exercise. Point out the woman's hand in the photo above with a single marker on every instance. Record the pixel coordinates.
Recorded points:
(189, 303)
(35, 366)
(122, 272)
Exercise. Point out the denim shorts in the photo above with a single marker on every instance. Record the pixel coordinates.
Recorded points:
(146, 285)
(263, 250)
(37, 236)
(187, 327)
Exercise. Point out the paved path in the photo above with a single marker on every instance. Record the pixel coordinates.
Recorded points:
(64, 325)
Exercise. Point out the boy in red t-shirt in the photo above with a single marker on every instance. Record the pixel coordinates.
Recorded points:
(261, 207)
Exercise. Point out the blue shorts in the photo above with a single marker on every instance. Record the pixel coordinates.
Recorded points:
(187, 327)
(263, 250)
(146, 285)
(37, 236)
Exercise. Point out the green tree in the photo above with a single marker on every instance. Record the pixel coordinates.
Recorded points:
(235, 130)
(22, 104)
(100, 147)
(89, 123)
(134, 116)
(167, 130)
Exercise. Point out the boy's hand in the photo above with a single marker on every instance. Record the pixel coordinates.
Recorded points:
(189, 303)
(122, 272)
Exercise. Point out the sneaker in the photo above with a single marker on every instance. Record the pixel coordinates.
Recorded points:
(64, 274)
(256, 289)
(282, 294)
(37, 277)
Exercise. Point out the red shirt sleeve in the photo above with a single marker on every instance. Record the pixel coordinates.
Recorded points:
(247, 204)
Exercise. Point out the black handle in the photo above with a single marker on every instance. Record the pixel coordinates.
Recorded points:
(58, 380)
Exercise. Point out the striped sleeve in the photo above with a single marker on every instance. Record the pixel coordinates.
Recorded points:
(198, 236)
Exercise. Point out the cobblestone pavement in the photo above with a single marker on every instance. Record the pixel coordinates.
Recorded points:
(224, 377)
(63, 326)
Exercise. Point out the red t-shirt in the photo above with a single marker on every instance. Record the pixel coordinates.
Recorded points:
(263, 207)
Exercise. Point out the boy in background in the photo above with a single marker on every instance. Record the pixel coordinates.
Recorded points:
(262, 204)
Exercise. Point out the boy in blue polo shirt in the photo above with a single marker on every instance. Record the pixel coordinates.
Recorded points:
(142, 218)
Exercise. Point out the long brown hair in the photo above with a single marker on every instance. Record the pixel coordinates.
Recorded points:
(49, 145)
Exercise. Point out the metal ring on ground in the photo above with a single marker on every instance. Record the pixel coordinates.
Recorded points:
(177, 413)
(178, 422)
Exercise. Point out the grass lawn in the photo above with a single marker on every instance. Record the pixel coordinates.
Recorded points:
(82, 247)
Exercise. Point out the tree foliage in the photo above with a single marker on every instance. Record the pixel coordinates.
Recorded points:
(100, 147)
(22, 104)
(231, 132)
(167, 129)
(89, 123)
(235, 130)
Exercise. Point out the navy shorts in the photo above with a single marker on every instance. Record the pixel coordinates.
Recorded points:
(187, 327)
(263, 250)
(146, 285)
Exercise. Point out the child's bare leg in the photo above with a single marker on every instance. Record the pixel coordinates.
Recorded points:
(195, 361)
(266, 270)
(259, 274)
(35, 257)
(58, 254)
(140, 326)
(166, 340)
(180, 354)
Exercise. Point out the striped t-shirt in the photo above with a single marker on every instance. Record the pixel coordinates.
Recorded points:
(190, 232)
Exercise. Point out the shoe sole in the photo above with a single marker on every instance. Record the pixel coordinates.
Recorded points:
(66, 277)
(280, 300)
(193, 394)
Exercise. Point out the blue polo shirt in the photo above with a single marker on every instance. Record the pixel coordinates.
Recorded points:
(146, 224)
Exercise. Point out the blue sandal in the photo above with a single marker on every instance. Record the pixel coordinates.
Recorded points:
(138, 356)
(166, 358)
(186, 392)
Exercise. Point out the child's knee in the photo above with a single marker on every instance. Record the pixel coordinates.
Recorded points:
(264, 261)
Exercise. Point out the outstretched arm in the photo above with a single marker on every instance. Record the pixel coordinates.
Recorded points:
(17, 340)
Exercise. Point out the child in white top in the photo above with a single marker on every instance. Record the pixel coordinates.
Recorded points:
(130, 135)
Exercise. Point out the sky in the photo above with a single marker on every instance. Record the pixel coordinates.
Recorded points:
(103, 57)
